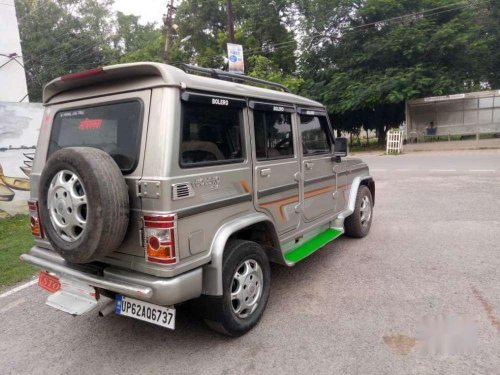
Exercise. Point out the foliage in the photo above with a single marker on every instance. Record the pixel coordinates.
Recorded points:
(61, 37)
(361, 58)
(364, 70)
(15, 239)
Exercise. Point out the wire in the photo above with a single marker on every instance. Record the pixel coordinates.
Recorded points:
(352, 28)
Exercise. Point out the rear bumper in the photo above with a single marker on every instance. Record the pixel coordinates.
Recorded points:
(161, 291)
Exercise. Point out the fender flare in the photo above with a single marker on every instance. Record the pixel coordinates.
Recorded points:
(352, 196)
(212, 272)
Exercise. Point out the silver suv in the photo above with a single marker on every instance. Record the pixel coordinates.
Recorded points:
(154, 187)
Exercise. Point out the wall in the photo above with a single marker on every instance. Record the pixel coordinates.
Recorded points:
(13, 86)
(19, 127)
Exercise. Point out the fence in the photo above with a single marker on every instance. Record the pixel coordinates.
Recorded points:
(394, 142)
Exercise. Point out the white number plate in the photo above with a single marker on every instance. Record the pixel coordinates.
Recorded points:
(160, 315)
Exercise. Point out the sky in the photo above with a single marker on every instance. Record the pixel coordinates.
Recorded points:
(148, 10)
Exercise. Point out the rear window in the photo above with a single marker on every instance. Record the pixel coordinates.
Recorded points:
(211, 135)
(113, 128)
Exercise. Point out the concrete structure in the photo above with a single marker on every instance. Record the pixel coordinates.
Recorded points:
(19, 127)
(462, 114)
(13, 87)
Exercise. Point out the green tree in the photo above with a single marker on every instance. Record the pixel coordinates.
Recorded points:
(367, 62)
(61, 37)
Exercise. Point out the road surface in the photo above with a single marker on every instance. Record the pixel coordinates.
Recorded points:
(419, 295)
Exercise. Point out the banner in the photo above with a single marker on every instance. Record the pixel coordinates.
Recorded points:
(235, 56)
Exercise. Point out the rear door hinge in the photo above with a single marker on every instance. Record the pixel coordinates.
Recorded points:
(149, 189)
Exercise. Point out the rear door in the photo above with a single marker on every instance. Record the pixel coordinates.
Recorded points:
(318, 165)
(116, 124)
(276, 168)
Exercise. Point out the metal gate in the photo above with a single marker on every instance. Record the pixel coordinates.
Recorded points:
(394, 142)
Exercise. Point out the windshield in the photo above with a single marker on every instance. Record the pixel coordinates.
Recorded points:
(113, 128)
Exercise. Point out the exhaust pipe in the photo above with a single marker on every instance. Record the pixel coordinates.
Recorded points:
(107, 309)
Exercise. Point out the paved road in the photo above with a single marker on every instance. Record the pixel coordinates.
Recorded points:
(381, 305)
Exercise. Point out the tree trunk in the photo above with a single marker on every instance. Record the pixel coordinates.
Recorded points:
(381, 134)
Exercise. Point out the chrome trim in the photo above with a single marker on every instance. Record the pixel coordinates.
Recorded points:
(182, 185)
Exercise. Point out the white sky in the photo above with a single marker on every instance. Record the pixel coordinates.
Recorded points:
(148, 10)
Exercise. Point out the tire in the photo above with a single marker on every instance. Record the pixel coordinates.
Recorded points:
(84, 204)
(219, 312)
(354, 224)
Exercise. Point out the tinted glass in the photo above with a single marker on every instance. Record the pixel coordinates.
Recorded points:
(211, 134)
(315, 138)
(113, 128)
(273, 134)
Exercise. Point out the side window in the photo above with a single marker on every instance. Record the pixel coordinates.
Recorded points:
(315, 135)
(273, 135)
(211, 134)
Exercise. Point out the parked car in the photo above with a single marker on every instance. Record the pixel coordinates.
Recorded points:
(154, 187)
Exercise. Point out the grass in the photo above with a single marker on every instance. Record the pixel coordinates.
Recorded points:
(15, 239)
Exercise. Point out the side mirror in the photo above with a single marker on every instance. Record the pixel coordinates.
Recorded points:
(340, 147)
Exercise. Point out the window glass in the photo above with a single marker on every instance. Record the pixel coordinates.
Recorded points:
(211, 134)
(113, 128)
(315, 138)
(273, 134)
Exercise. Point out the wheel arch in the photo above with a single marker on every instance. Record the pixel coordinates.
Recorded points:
(356, 183)
(255, 227)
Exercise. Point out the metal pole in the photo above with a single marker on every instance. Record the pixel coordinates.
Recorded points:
(168, 26)
(230, 20)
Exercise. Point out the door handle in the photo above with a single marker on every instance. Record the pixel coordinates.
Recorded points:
(266, 172)
(309, 165)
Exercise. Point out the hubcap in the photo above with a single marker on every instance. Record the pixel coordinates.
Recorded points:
(246, 288)
(365, 211)
(67, 204)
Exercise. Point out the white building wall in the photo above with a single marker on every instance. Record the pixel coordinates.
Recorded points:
(13, 86)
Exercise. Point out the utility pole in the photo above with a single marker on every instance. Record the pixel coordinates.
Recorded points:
(167, 21)
(230, 20)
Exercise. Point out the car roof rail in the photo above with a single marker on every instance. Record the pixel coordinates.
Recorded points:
(228, 76)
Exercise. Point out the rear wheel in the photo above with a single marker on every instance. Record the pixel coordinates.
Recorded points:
(358, 224)
(246, 281)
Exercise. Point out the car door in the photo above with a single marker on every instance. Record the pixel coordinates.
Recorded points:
(276, 164)
(318, 165)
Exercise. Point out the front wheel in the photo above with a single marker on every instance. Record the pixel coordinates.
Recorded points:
(358, 224)
(246, 279)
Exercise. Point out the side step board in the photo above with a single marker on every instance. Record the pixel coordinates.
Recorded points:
(315, 243)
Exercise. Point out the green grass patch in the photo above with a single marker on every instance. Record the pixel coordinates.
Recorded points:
(15, 239)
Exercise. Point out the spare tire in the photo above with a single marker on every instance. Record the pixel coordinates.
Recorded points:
(84, 203)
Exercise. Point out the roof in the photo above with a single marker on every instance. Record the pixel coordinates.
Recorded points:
(449, 98)
(167, 75)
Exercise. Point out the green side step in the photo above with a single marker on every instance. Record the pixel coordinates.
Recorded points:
(312, 245)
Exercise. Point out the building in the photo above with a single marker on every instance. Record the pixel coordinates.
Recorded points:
(13, 87)
(473, 113)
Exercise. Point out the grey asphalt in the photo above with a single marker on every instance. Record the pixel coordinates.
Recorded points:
(385, 304)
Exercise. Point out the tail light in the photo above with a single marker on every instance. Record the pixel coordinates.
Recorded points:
(35, 223)
(159, 239)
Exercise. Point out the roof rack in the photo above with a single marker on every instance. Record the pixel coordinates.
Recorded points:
(220, 74)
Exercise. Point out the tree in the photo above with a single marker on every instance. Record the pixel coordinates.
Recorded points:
(366, 61)
(61, 37)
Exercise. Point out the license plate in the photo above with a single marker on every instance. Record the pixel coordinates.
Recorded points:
(49, 282)
(133, 308)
